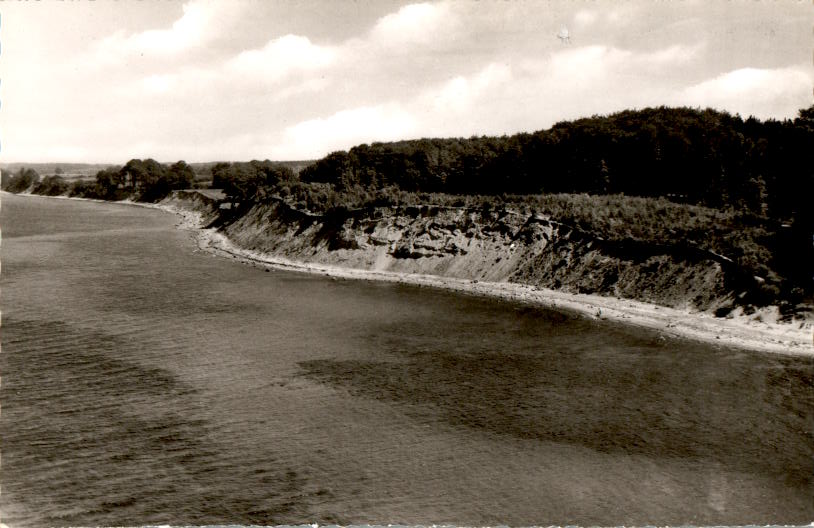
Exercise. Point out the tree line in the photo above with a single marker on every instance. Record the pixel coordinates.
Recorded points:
(250, 181)
(150, 181)
(702, 157)
(143, 180)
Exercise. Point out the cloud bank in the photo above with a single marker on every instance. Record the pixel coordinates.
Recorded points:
(228, 80)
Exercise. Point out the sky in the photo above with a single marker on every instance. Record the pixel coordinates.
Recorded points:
(203, 80)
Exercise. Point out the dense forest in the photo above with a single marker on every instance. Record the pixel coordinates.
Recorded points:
(758, 174)
(700, 157)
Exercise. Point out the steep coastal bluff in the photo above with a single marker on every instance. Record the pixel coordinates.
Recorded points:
(680, 289)
(501, 245)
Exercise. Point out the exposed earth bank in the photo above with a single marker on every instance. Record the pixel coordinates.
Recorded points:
(677, 289)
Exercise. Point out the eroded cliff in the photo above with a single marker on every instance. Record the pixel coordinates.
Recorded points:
(490, 245)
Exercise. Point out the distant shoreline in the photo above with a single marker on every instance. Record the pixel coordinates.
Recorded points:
(739, 331)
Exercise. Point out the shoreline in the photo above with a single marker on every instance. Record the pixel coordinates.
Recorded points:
(738, 332)
(748, 333)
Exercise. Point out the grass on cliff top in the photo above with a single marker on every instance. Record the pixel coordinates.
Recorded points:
(742, 237)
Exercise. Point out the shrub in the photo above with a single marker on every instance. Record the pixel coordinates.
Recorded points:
(20, 182)
(51, 186)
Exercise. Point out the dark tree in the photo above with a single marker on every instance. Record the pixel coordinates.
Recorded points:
(180, 175)
(220, 173)
(108, 184)
(51, 186)
(20, 182)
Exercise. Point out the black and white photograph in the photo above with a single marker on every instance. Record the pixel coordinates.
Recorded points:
(455, 263)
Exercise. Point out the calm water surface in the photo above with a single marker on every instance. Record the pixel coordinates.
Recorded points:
(145, 382)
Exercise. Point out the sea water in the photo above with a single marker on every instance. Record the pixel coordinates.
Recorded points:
(147, 382)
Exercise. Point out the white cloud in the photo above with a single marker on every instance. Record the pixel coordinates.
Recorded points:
(459, 94)
(504, 98)
(585, 18)
(282, 56)
(307, 87)
(584, 65)
(187, 31)
(202, 22)
(599, 20)
(677, 54)
(623, 14)
(158, 84)
(533, 94)
(590, 63)
(763, 93)
(414, 24)
(234, 79)
(344, 129)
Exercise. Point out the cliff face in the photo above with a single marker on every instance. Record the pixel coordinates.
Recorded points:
(193, 202)
(491, 246)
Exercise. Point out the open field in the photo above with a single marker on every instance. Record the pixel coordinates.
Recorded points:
(69, 171)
